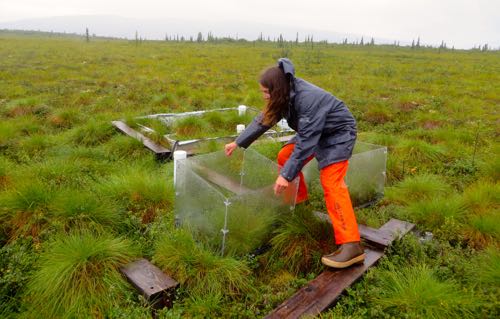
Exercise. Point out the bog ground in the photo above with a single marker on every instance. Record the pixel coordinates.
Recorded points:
(78, 199)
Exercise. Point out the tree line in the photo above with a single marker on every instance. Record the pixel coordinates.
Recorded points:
(307, 40)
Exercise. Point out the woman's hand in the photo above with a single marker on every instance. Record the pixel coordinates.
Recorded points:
(229, 148)
(280, 185)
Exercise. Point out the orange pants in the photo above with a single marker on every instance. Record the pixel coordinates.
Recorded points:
(338, 201)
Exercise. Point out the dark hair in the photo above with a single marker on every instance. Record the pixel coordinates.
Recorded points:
(278, 84)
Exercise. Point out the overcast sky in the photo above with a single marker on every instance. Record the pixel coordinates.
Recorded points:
(459, 22)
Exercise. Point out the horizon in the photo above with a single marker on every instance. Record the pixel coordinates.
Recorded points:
(460, 24)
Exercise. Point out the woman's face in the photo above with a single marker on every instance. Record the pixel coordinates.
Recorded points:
(265, 92)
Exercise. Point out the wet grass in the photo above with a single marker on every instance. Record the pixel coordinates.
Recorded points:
(418, 293)
(78, 276)
(200, 270)
(63, 168)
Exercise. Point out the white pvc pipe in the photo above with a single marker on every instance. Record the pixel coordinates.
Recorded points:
(240, 128)
(178, 155)
(283, 124)
(242, 109)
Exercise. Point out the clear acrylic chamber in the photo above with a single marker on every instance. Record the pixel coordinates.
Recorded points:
(228, 203)
(365, 176)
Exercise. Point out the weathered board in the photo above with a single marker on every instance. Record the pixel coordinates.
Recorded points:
(151, 282)
(221, 180)
(160, 151)
(396, 228)
(381, 237)
(323, 291)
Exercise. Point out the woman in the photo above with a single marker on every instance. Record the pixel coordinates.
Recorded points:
(325, 130)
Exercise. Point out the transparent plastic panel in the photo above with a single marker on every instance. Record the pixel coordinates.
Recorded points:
(253, 217)
(228, 203)
(365, 176)
(222, 172)
(199, 207)
(259, 171)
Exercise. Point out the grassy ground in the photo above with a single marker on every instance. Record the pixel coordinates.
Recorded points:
(78, 199)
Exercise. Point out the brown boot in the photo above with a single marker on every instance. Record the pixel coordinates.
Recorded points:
(346, 255)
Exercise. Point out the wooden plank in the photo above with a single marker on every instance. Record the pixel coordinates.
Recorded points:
(158, 149)
(324, 290)
(220, 180)
(396, 228)
(151, 282)
(374, 236)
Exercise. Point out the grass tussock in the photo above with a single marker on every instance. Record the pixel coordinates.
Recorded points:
(434, 212)
(84, 210)
(121, 147)
(198, 269)
(78, 276)
(26, 106)
(140, 190)
(6, 168)
(482, 230)
(419, 152)
(482, 201)
(189, 127)
(92, 133)
(417, 187)
(301, 240)
(24, 209)
(65, 119)
(486, 270)
(482, 197)
(418, 293)
(490, 168)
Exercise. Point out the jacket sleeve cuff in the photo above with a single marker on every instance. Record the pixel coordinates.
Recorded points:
(290, 170)
(252, 132)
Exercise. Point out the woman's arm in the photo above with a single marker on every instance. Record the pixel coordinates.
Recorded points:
(252, 132)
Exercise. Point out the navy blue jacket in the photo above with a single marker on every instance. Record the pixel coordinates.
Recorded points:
(325, 127)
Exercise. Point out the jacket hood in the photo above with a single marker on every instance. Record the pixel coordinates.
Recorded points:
(287, 66)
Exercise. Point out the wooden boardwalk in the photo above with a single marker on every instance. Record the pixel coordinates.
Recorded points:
(160, 151)
(323, 291)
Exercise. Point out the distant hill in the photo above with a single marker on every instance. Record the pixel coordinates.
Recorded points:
(157, 29)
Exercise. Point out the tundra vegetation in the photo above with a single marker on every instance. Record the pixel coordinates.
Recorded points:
(78, 199)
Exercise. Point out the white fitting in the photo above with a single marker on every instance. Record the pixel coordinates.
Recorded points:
(240, 128)
(178, 155)
(242, 109)
(283, 124)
